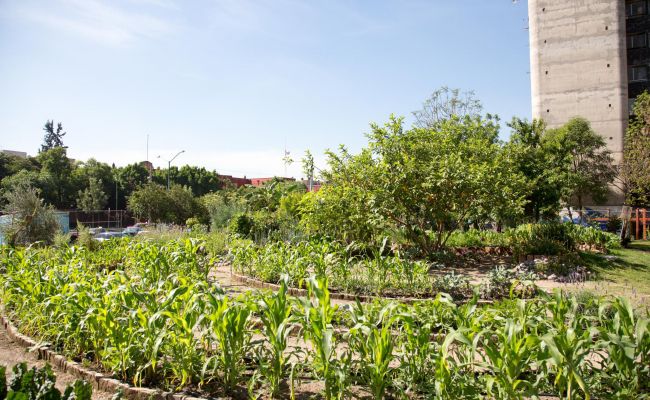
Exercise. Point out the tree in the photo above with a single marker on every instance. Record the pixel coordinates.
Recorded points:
(52, 138)
(587, 166)
(533, 160)
(427, 182)
(151, 202)
(635, 168)
(57, 167)
(308, 168)
(93, 197)
(444, 104)
(31, 220)
(177, 205)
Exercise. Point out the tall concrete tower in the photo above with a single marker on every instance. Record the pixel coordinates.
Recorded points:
(578, 63)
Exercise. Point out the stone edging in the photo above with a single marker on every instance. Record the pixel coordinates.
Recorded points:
(253, 282)
(98, 380)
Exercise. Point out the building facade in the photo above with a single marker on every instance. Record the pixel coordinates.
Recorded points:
(589, 58)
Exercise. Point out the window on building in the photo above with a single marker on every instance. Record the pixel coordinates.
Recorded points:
(638, 73)
(637, 41)
(638, 7)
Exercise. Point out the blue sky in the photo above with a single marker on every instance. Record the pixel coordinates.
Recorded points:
(231, 81)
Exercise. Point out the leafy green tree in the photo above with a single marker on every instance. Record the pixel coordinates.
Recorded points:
(57, 167)
(535, 162)
(446, 103)
(150, 202)
(93, 197)
(53, 138)
(308, 168)
(10, 165)
(156, 204)
(635, 169)
(588, 167)
(199, 179)
(426, 182)
(129, 178)
(184, 206)
(31, 219)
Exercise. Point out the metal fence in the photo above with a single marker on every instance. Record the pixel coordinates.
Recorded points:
(116, 219)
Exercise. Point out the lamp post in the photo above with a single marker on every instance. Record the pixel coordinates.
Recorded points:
(169, 165)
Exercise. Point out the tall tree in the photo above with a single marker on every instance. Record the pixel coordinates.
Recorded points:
(534, 161)
(424, 183)
(445, 103)
(588, 167)
(57, 167)
(308, 168)
(53, 138)
(93, 198)
(635, 168)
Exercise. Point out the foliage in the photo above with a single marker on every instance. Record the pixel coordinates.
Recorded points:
(445, 104)
(156, 204)
(52, 138)
(534, 159)
(421, 182)
(154, 319)
(30, 219)
(588, 165)
(93, 197)
(38, 384)
(198, 179)
(57, 167)
(636, 154)
(222, 207)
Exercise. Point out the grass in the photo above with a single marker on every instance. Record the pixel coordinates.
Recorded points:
(628, 274)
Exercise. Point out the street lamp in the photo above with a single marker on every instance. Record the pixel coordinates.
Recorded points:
(169, 165)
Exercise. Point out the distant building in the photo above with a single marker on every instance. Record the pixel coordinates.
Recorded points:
(148, 165)
(238, 182)
(261, 181)
(589, 59)
(19, 154)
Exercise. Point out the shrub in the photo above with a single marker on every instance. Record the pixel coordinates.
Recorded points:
(31, 220)
(241, 224)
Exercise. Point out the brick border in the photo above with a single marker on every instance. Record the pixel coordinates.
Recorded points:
(98, 380)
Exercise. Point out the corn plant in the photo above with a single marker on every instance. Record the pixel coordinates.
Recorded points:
(625, 337)
(509, 354)
(316, 316)
(228, 333)
(372, 343)
(275, 311)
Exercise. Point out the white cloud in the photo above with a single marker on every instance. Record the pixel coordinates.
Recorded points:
(98, 21)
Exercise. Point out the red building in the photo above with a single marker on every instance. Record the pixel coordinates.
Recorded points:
(238, 182)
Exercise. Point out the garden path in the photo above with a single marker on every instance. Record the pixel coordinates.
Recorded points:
(12, 353)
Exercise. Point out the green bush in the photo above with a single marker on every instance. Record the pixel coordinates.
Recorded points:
(241, 224)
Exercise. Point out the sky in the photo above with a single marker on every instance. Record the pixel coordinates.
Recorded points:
(235, 82)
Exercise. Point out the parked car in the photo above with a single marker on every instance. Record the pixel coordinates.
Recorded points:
(108, 235)
(132, 230)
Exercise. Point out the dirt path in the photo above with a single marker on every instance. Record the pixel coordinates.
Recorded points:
(222, 275)
(11, 354)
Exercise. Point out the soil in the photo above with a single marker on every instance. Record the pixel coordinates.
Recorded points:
(11, 354)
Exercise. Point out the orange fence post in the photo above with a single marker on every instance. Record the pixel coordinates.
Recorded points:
(636, 233)
(645, 221)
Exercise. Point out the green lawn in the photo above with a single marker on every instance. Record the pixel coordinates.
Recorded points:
(628, 274)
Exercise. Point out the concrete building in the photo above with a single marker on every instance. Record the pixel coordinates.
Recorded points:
(589, 58)
(19, 154)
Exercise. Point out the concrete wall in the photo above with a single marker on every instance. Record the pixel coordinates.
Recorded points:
(578, 65)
